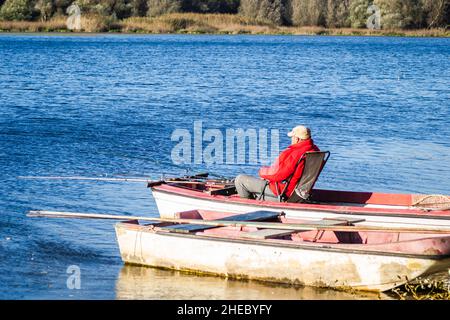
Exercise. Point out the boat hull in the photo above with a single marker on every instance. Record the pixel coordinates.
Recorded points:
(171, 203)
(273, 262)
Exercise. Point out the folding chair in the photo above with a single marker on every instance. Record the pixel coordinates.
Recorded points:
(314, 162)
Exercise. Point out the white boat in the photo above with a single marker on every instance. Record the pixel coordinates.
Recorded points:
(374, 261)
(377, 209)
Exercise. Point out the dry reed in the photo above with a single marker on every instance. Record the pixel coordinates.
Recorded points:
(194, 23)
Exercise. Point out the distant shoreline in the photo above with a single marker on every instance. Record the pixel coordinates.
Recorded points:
(190, 23)
(299, 33)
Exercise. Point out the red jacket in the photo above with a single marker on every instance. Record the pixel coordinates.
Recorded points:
(284, 166)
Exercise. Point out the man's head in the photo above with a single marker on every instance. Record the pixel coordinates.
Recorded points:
(299, 134)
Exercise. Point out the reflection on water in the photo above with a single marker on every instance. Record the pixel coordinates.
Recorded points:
(136, 282)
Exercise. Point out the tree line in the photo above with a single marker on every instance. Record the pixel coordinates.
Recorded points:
(403, 14)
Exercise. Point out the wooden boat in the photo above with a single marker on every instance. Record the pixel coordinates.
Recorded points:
(313, 253)
(377, 209)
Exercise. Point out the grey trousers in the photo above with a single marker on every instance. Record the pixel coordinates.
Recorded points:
(249, 187)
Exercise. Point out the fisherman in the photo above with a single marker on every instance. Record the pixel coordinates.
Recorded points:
(271, 183)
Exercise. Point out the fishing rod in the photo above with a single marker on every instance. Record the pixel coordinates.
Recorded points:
(197, 178)
(83, 178)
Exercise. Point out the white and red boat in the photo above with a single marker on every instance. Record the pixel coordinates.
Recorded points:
(325, 253)
(377, 209)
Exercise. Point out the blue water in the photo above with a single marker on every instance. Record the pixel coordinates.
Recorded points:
(107, 106)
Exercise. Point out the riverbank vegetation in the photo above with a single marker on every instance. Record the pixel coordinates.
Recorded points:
(331, 17)
(424, 289)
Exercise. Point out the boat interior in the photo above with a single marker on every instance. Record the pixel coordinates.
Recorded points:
(226, 188)
(358, 239)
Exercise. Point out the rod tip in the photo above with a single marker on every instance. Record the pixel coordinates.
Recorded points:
(33, 213)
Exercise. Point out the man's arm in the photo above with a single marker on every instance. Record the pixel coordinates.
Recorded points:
(281, 169)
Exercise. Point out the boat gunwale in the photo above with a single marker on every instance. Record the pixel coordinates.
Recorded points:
(407, 213)
(300, 246)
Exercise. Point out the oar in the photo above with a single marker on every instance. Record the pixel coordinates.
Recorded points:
(222, 223)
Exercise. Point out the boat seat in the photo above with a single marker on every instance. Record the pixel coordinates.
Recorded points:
(274, 233)
(227, 191)
(266, 233)
(260, 215)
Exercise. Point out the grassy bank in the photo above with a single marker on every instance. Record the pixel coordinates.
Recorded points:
(193, 23)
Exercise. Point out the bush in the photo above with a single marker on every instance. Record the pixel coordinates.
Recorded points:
(139, 8)
(249, 8)
(16, 10)
(210, 6)
(338, 13)
(160, 7)
(436, 13)
(119, 9)
(264, 10)
(60, 6)
(45, 9)
(358, 13)
(400, 14)
(271, 10)
(308, 12)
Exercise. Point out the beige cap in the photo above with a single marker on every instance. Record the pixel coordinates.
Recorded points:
(301, 132)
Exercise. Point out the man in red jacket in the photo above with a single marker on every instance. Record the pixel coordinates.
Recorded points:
(272, 182)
